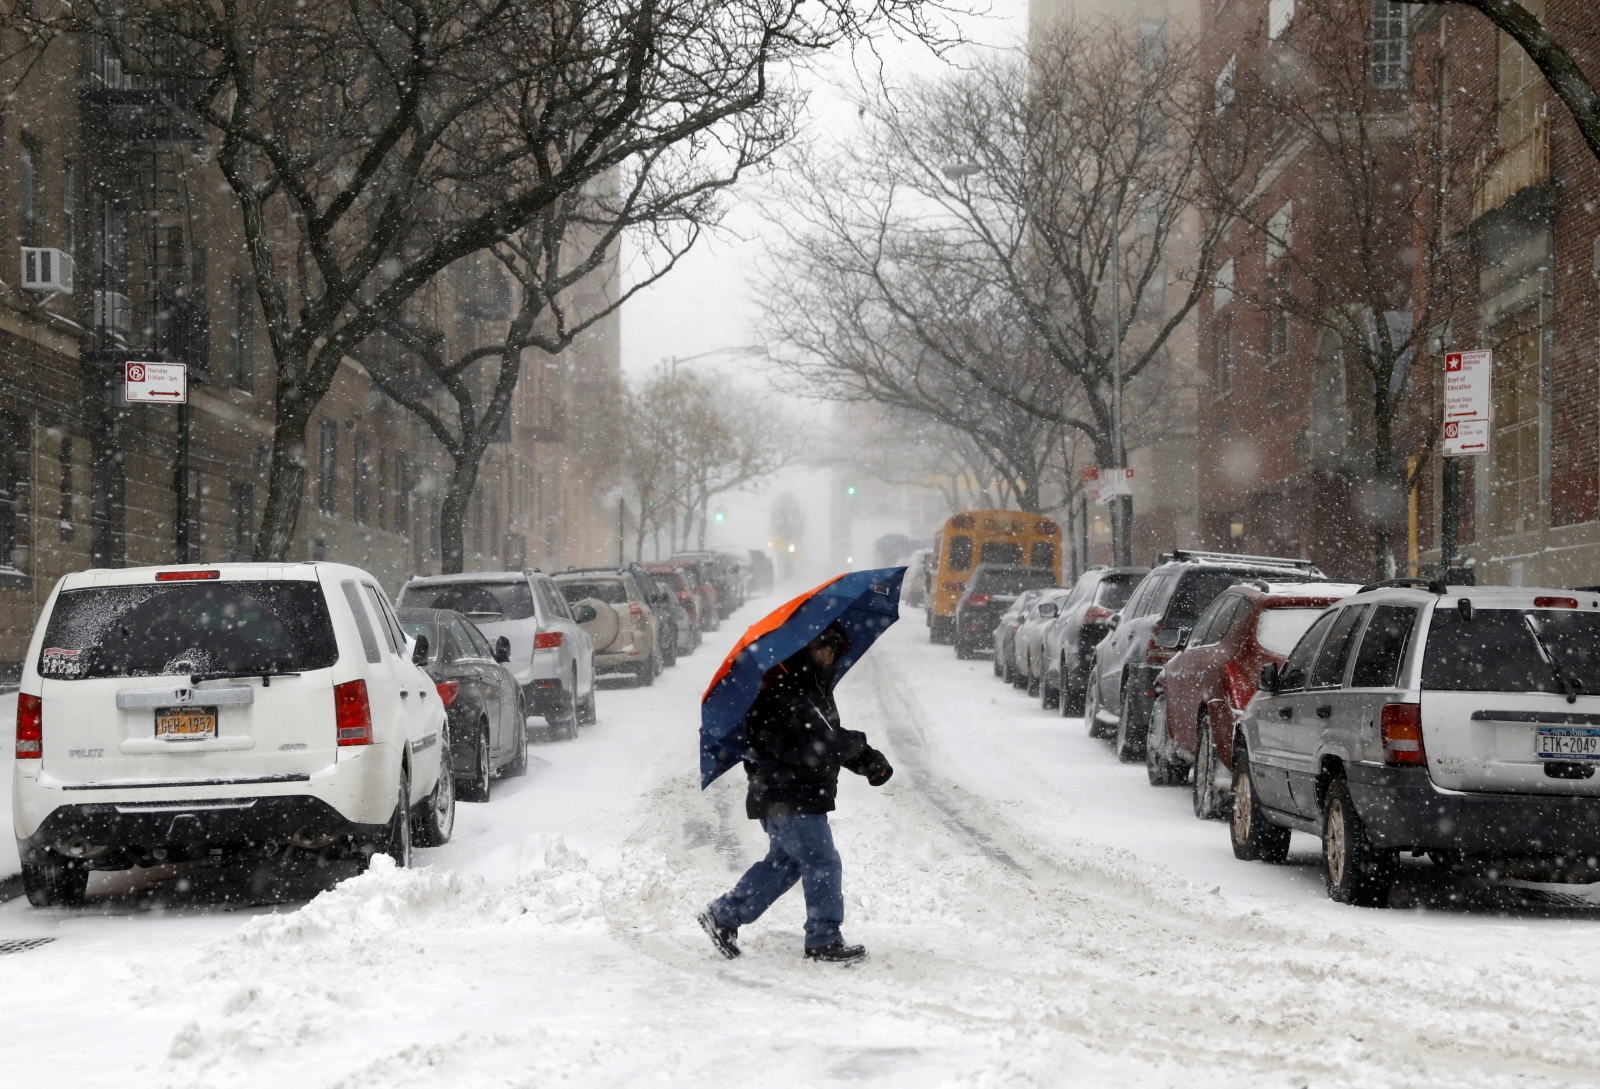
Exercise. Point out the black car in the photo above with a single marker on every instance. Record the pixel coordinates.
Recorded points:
(483, 701)
(1082, 620)
(719, 571)
(1154, 626)
(989, 593)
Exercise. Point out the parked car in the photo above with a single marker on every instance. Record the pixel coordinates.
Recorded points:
(488, 727)
(1201, 693)
(677, 583)
(1453, 721)
(699, 578)
(914, 587)
(720, 573)
(1029, 638)
(552, 656)
(221, 712)
(671, 620)
(1005, 631)
(623, 627)
(762, 576)
(989, 593)
(1148, 631)
(1082, 620)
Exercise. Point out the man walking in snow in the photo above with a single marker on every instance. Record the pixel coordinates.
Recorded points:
(795, 750)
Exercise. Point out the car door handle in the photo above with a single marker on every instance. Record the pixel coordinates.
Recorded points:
(1286, 712)
(1325, 711)
(404, 693)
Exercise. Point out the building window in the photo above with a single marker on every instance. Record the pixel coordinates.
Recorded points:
(1521, 87)
(242, 512)
(1222, 376)
(1223, 91)
(1280, 323)
(242, 312)
(191, 540)
(1514, 448)
(328, 467)
(477, 520)
(402, 493)
(1222, 286)
(1280, 13)
(1387, 48)
(1280, 233)
(360, 482)
(69, 207)
(13, 485)
(64, 515)
(28, 190)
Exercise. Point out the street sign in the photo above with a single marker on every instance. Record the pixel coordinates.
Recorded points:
(1463, 438)
(157, 383)
(1103, 484)
(1468, 386)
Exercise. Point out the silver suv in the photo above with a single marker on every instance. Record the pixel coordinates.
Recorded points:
(1452, 721)
(552, 656)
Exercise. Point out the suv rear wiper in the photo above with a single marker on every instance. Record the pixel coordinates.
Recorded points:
(265, 675)
(1571, 686)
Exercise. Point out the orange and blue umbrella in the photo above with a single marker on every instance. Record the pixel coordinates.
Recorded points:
(863, 603)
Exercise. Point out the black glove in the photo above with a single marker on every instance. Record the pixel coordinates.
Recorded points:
(878, 770)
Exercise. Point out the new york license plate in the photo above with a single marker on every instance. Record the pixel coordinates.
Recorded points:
(1568, 743)
(186, 723)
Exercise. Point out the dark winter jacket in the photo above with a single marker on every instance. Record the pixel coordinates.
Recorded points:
(796, 746)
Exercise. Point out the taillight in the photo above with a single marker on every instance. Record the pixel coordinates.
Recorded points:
(1097, 614)
(952, 587)
(1402, 734)
(186, 576)
(1555, 603)
(30, 727)
(636, 610)
(979, 599)
(546, 640)
(1240, 686)
(351, 713)
(448, 691)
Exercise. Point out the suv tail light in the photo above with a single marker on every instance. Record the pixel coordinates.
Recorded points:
(30, 727)
(979, 599)
(1240, 686)
(352, 714)
(546, 640)
(1402, 735)
(448, 691)
(636, 610)
(1097, 614)
(1555, 603)
(187, 576)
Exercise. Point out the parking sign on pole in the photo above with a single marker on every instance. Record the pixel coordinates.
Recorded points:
(1468, 402)
(154, 383)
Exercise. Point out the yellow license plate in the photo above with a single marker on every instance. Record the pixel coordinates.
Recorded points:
(186, 723)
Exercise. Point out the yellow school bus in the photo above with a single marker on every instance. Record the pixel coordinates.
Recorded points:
(985, 536)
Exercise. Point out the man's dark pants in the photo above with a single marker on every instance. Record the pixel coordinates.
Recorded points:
(801, 850)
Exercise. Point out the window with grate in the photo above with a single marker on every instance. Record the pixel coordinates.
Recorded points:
(1280, 323)
(241, 511)
(1222, 369)
(360, 479)
(1386, 48)
(328, 466)
(13, 486)
(242, 308)
(1521, 86)
(64, 515)
(28, 197)
(1514, 449)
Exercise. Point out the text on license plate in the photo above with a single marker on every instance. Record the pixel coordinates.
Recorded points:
(1568, 743)
(186, 723)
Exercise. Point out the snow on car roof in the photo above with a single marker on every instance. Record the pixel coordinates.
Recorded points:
(1312, 589)
(476, 576)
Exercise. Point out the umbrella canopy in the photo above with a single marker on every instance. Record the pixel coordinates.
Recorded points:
(863, 603)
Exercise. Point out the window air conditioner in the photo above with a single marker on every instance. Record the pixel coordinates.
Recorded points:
(46, 269)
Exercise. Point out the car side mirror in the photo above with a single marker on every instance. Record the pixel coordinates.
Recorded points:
(1170, 638)
(1269, 678)
(419, 653)
(1115, 622)
(1047, 611)
(582, 614)
(502, 649)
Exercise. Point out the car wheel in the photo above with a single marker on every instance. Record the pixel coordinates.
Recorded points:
(1091, 710)
(1034, 684)
(669, 657)
(998, 671)
(397, 840)
(1161, 769)
(644, 674)
(587, 714)
(477, 788)
(1049, 694)
(564, 726)
(1130, 738)
(435, 818)
(964, 649)
(1072, 699)
(1358, 873)
(1210, 802)
(1254, 837)
(54, 882)
(519, 763)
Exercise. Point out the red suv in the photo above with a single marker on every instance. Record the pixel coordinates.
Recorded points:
(1201, 692)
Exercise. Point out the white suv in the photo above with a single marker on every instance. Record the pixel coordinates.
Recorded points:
(230, 710)
(1460, 722)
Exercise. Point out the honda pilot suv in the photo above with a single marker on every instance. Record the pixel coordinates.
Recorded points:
(1459, 722)
(241, 710)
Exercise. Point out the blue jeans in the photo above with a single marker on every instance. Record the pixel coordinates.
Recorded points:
(802, 850)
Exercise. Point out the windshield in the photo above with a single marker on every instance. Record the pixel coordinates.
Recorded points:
(1196, 590)
(1278, 630)
(611, 591)
(175, 628)
(1012, 582)
(1114, 592)
(1496, 651)
(487, 602)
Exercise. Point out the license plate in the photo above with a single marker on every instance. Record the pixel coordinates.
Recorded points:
(186, 723)
(1568, 743)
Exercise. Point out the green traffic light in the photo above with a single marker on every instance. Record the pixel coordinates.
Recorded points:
(851, 490)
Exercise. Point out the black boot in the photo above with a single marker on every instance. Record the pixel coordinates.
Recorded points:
(725, 938)
(837, 953)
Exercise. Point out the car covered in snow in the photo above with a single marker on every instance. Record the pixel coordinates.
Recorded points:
(1004, 639)
(1458, 722)
(990, 592)
(218, 713)
(1201, 693)
(552, 656)
(1082, 620)
(1028, 652)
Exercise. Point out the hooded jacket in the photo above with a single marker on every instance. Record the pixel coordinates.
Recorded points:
(795, 745)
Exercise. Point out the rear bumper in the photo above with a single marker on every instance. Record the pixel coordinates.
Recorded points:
(975, 628)
(548, 696)
(1401, 808)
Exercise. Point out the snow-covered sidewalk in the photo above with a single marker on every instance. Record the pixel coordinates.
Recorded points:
(1037, 915)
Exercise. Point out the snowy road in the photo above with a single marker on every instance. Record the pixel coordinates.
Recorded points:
(1037, 915)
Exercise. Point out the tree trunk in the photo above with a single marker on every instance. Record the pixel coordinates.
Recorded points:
(286, 489)
(453, 515)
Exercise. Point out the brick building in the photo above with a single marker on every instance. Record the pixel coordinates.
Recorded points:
(127, 244)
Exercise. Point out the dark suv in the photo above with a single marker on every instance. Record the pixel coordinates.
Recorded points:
(989, 593)
(1154, 625)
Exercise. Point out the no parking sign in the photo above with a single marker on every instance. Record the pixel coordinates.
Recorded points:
(157, 383)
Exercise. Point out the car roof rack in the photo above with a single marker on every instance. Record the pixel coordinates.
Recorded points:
(1179, 555)
(1433, 586)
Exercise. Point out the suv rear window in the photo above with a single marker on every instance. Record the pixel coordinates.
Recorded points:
(1278, 630)
(1114, 592)
(1498, 650)
(1196, 590)
(489, 602)
(244, 628)
(1012, 582)
(611, 591)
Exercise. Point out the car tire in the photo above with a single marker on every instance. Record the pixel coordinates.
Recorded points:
(1091, 711)
(397, 839)
(1070, 705)
(518, 765)
(435, 818)
(1049, 695)
(587, 714)
(1160, 768)
(564, 726)
(669, 657)
(1254, 838)
(998, 670)
(477, 788)
(644, 674)
(1034, 684)
(54, 882)
(1210, 801)
(1357, 872)
(1130, 737)
(964, 650)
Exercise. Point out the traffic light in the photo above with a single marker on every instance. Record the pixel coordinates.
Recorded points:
(850, 490)
(719, 515)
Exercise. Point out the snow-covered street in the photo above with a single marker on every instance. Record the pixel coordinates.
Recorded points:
(1036, 915)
